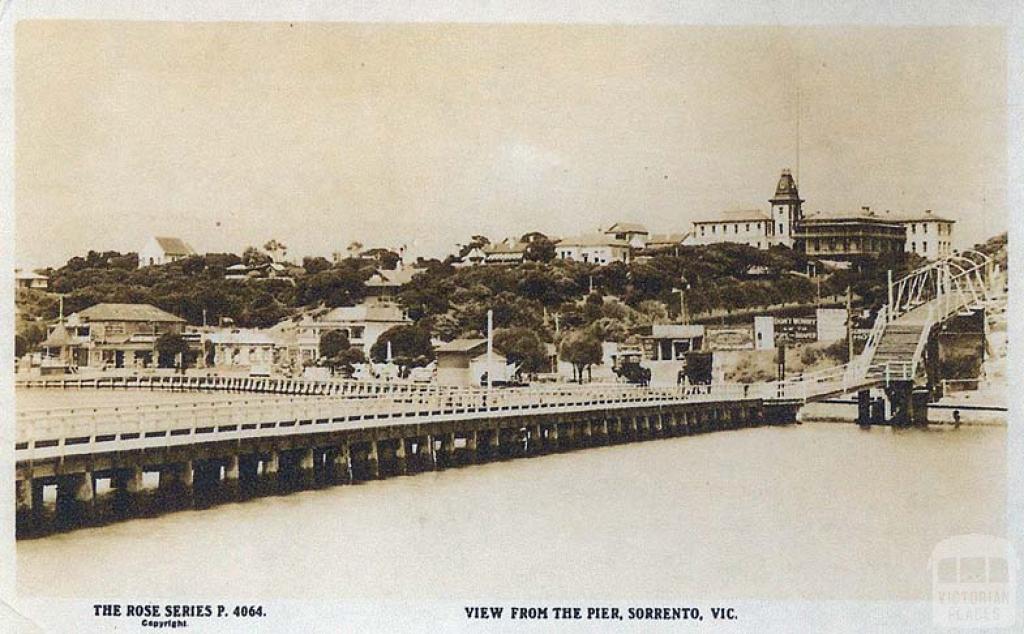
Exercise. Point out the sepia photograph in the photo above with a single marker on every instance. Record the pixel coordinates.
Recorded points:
(403, 319)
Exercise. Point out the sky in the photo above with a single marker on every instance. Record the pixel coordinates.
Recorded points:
(229, 134)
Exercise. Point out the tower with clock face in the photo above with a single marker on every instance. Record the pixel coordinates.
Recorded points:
(786, 211)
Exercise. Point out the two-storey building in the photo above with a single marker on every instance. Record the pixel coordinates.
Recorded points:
(928, 234)
(113, 336)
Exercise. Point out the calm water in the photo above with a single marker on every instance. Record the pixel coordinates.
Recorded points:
(818, 511)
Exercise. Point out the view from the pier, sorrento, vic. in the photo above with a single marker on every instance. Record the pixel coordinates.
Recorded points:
(437, 312)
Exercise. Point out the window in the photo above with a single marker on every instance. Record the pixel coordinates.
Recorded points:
(702, 230)
(781, 228)
(924, 247)
(746, 227)
(913, 228)
(924, 228)
(114, 329)
(735, 228)
(913, 247)
(713, 227)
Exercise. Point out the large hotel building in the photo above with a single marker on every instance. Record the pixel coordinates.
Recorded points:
(840, 236)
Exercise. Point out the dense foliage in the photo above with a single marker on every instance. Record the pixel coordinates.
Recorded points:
(544, 296)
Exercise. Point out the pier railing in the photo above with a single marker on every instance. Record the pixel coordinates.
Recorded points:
(48, 433)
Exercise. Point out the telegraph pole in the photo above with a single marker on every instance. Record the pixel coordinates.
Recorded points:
(892, 309)
(849, 326)
(490, 347)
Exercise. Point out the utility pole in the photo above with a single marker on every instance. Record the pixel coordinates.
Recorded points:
(490, 347)
(892, 309)
(683, 317)
(849, 326)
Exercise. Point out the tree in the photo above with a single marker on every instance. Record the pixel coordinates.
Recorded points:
(20, 346)
(539, 248)
(475, 242)
(387, 259)
(347, 359)
(582, 349)
(254, 257)
(522, 347)
(333, 343)
(410, 346)
(168, 346)
(274, 248)
(315, 265)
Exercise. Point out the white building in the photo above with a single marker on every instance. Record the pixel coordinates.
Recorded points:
(636, 235)
(751, 227)
(594, 249)
(30, 279)
(928, 235)
(754, 227)
(240, 348)
(161, 250)
(363, 324)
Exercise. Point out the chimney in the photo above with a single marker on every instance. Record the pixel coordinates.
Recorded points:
(928, 211)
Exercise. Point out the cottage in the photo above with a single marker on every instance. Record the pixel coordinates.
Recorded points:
(506, 252)
(671, 342)
(636, 235)
(385, 285)
(30, 279)
(594, 249)
(464, 362)
(162, 250)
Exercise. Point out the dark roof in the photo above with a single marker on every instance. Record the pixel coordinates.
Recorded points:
(626, 227)
(59, 338)
(786, 190)
(461, 345)
(174, 246)
(127, 312)
(665, 238)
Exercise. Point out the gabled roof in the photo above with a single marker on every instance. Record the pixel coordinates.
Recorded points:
(736, 215)
(127, 312)
(60, 337)
(378, 312)
(28, 275)
(626, 227)
(461, 345)
(917, 216)
(593, 240)
(398, 277)
(506, 246)
(173, 246)
(665, 239)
